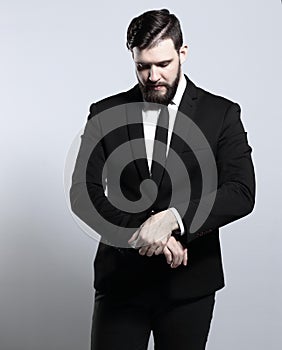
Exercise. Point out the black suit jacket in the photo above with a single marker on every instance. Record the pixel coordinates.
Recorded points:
(121, 272)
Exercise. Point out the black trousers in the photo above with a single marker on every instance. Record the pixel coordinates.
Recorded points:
(127, 324)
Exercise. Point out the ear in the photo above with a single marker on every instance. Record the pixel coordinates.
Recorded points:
(183, 52)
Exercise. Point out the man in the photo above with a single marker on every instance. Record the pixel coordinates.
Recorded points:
(153, 270)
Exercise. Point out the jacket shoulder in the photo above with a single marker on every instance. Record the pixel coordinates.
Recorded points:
(214, 101)
(132, 95)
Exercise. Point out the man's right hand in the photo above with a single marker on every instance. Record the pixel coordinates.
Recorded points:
(174, 252)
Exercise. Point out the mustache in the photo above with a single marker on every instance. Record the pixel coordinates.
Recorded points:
(154, 85)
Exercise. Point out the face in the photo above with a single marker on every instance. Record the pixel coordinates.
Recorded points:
(158, 70)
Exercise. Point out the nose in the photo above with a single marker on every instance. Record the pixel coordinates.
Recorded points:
(154, 75)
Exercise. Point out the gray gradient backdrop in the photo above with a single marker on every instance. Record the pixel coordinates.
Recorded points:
(59, 56)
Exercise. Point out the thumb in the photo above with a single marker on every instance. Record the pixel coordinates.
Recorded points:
(134, 236)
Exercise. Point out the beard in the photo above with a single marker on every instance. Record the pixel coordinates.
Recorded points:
(155, 96)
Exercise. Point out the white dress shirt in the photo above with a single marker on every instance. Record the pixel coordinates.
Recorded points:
(150, 119)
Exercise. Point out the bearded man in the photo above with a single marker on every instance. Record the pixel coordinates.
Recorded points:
(163, 275)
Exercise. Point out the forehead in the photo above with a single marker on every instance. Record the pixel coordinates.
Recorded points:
(164, 50)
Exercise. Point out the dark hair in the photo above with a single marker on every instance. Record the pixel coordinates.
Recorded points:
(149, 28)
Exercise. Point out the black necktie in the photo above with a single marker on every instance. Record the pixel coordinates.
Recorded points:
(159, 151)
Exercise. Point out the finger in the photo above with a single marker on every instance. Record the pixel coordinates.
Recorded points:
(177, 254)
(167, 255)
(161, 244)
(159, 250)
(171, 248)
(151, 250)
(185, 259)
(143, 250)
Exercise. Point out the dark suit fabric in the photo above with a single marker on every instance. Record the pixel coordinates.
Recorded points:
(122, 273)
(127, 324)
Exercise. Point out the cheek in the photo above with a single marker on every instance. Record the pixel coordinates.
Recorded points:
(170, 74)
(142, 76)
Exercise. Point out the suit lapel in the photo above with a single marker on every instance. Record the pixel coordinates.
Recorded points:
(187, 107)
(136, 131)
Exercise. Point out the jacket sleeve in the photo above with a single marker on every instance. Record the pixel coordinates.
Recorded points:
(87, 193)
(235, 194)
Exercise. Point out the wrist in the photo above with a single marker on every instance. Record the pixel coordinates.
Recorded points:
(174, 222)
(175, 225)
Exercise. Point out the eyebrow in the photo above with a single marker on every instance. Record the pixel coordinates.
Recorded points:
(149, 63)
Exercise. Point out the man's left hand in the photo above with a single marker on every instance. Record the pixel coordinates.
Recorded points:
(154, 232)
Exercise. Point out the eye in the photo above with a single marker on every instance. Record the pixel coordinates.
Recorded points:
(141, 66)
(163, 64)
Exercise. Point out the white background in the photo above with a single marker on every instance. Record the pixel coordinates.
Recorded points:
(59, 56)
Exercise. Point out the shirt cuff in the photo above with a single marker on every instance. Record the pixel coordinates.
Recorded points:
(179, 220)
